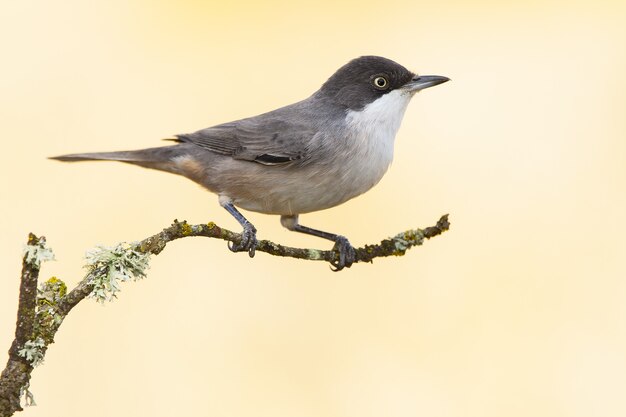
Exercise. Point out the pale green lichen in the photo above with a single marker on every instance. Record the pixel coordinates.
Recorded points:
(51, 291)
(314, 254)
(29, 398)
(400, 244)
(111, 265)
(49, 294)
(38, 253)
(33, 351)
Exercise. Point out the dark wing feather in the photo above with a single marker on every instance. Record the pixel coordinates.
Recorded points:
(269, 139)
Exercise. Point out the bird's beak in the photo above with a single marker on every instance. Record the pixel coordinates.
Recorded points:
(420, 82)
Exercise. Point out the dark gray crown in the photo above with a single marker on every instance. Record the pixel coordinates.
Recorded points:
(352, 86)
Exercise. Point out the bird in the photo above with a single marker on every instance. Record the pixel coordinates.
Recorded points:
(304, 157)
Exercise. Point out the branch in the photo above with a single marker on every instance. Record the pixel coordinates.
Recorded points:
(42, 308)
(15, 378)
(395, 246)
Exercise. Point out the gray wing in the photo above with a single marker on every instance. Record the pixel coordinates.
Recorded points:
(270, 139)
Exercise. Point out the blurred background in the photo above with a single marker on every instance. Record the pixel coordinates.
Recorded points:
(517, 311)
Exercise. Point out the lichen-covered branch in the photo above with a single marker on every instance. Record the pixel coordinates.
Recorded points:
(43, 307)
(15, 377)
(394, 246)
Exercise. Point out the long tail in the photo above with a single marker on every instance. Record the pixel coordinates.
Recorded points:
(155, 158)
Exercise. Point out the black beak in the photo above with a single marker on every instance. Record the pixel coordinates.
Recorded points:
(420, 82)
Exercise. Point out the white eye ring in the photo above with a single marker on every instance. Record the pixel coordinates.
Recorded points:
(380, 83)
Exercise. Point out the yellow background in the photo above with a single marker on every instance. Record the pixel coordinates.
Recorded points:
(519, 310)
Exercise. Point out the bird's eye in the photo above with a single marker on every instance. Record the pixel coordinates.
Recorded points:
(380, 83)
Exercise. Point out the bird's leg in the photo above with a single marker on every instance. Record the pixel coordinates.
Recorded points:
(347, 254)
(248, 236)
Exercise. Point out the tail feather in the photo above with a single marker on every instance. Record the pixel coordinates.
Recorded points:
(125, 156)
(160, 158)
(160, 154)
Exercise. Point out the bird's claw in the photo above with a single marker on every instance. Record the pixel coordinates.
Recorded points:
(248, 241)
(347, 254)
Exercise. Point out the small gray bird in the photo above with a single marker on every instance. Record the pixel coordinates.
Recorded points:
(304, 157)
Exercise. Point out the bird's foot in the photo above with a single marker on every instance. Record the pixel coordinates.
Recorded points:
(248, 241)
(347, 254)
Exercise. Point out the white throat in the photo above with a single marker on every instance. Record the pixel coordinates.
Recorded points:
(383, 116)
(377, 124)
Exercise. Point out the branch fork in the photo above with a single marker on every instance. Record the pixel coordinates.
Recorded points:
(43, 306)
